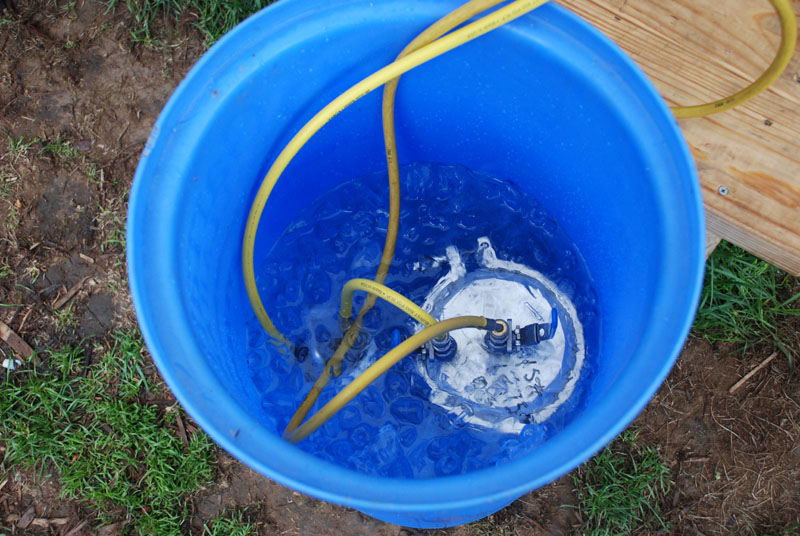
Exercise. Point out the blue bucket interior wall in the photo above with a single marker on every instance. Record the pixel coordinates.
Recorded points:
(546, 102)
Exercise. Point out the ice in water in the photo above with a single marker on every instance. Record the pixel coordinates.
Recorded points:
(468, 244)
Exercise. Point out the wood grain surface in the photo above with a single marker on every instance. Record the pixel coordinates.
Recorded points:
(696, 52)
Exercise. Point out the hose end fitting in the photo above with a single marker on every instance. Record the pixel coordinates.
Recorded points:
(441, 349)
(498, 337)
(344, 323)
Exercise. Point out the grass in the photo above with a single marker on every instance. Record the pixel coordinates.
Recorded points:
(229, 523)
(747, 300)
(791, 531)
(109, 450)
(12, 218)
(5, 19)
(213, 18)
(32, 272)
(69, 7)
(18, 147)
(216, 18)
(145, 14)
(8, 184)
(65, 319)
(61, 148)
(487, 527)
(112, 226)
(93, 173)
(621, 488)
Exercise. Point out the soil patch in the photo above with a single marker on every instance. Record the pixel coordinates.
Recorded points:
(735, 457)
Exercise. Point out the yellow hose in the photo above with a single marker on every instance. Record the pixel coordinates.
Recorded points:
(423, 48)
(393, 70)
(430, 34)
(784, 55)
(433, 32)
(423, 54)
(385, 293)
(379, 367)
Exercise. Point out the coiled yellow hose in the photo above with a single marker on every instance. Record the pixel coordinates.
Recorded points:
(427, 46)
(778, 65)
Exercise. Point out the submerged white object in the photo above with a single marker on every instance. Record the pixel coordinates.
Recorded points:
(503, 392)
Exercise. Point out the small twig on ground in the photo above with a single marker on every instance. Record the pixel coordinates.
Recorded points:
(24, 318)
(59, 303)
(121, 134)
(50, 289)
(113, 529)
(752, 373)
(77, 528)
(11, 338)
(182, 429)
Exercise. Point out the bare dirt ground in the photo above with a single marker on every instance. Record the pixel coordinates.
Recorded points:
(69, 72)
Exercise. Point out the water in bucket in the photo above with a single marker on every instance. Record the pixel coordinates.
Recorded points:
(468, 244)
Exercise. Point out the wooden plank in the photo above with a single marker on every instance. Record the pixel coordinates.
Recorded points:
(701, 51)
(712, 241)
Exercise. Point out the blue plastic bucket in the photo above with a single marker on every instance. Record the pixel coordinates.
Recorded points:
(546, 102)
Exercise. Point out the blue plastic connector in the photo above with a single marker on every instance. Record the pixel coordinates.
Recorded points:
(444, 349)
